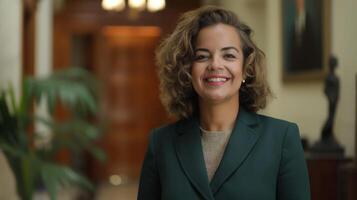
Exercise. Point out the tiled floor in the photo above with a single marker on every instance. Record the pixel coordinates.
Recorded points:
(122, 192)
(103, 192)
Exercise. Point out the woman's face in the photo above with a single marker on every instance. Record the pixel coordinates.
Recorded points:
(218, 64)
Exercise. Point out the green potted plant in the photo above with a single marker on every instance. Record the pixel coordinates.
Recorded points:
(73, 88)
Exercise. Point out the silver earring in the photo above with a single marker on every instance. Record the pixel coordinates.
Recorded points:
(243, 81)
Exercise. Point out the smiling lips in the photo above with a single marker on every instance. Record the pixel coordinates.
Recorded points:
(215, 80)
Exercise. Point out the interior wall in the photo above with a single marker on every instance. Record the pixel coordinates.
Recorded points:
(300, 102)
(43, 60)
(304, 102)
(10, 42)
(10, 73)
(344, 46)
(254, 19)
(11, 65)
(43, 46)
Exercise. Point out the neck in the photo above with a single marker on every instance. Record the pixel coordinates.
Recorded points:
(218, 117)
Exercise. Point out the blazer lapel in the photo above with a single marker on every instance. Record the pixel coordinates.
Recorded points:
(241, 142)
(189, 152)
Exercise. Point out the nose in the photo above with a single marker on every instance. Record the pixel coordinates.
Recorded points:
(215, 63)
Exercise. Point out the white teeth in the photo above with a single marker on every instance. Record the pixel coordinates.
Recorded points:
(216, 79)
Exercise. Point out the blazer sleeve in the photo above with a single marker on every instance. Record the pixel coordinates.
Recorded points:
(149, 185)
(293, 180)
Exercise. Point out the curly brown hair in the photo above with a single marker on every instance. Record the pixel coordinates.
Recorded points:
(175, 55)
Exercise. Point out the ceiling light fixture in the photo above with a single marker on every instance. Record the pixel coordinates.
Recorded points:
(139, 5)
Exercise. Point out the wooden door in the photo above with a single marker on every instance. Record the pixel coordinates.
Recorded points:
(120, 50)
(130, 105)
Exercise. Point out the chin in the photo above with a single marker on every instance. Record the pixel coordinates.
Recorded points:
(214, 98)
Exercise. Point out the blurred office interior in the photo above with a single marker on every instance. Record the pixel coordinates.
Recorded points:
(117, 45)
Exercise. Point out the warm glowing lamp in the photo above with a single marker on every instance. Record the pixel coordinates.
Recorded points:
(116, 5)
(155, 5)
(137, 4)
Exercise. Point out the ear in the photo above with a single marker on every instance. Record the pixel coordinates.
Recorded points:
(244, 72)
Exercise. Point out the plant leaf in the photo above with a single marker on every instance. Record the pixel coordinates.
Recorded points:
(55, 176)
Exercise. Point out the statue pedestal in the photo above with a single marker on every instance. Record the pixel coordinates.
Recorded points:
(328, 147)
(324, 176)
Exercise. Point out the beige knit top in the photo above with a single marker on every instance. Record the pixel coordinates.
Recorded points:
(213, 145)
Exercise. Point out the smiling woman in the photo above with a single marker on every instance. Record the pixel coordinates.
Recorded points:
(218, 65)
(178, 52)
(213, 80)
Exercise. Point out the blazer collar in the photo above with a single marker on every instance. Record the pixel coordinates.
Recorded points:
(189, 151)
(242, 140)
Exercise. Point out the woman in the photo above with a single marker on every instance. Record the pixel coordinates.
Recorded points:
(213, 79)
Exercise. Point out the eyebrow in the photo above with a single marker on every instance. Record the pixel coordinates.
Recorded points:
(223, 49)
(228, 48)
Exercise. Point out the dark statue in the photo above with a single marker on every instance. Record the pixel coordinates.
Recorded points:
(328, 144)
(332, 91)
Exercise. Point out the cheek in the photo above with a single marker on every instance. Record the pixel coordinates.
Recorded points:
(194, 76)
(196, 73)
(240, 69)
(237, 71)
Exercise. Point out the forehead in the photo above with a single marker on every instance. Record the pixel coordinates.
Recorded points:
(218, 36)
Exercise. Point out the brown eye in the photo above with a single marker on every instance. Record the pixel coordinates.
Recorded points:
(200, 57)
(229, 56)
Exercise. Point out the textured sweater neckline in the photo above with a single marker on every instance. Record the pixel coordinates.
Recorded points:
(207, 132)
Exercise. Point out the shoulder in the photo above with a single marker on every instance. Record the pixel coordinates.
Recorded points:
(280, 128)
(269, 121)
(284, 134)
(164, 133)
(165, 129)
(260, 120)
(162, 139)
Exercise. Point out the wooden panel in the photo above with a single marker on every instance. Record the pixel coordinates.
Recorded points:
(130, 96)
(28, 37)
(324, 177)
(82, 16)
(348, 181)
(125, 65)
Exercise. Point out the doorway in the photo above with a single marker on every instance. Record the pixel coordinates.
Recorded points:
(125, 66)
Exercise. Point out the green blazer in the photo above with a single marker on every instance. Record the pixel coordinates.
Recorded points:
(263, 160)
